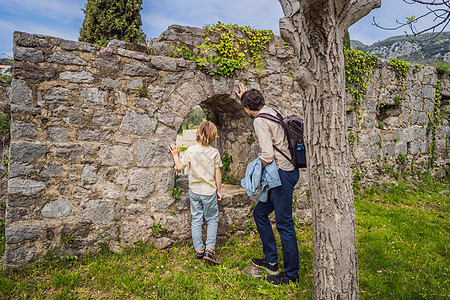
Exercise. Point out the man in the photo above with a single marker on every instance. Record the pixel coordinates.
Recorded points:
(270, 134)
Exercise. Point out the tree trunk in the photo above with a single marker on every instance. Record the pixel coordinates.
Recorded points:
(316, 29)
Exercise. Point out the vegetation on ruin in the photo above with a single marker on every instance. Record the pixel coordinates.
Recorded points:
(402, 235)
(107, 20)
(238, 47)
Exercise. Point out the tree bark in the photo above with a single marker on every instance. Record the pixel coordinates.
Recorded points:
(316, 29)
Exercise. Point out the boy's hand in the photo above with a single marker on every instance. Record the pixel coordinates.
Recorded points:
(242, 90)
(219, 196)
(174, 150)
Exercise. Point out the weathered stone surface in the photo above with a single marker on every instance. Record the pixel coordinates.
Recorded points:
(58, 134)
(28, 54)
(21, 129)
(93, 135)
(25, 39)
(153, 152)
(77, 77)
(20, 92)
(18, 234)
(103, 118)
(138, 124)
(93, 96)
(116, 155)
(28, 70)
(136, 229)
(25, 186)
(176, 103)
(171, 78)
(19, 257)
(107, 64)
(163, 243)
(81, 46)
(168, 117)
(166, 182)
(138, 69)
(111, 83)
(142, 183)
(165, 63)
(134, 84)
(98, 211)
(67, 58)
(20, 169)
(58, 93)
(51, 171)
(58, 208)
(89, 174)
(16, 214)
(26, 151)
(191, 96)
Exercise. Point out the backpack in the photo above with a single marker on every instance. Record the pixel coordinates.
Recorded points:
(293, 128)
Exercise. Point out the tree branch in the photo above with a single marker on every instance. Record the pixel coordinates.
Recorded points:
(358, 9)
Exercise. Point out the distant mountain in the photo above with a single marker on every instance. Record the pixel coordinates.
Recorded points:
(419, 50)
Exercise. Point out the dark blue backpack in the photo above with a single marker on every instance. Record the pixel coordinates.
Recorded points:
(293, 128)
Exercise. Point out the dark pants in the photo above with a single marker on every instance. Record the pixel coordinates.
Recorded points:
(280, 200)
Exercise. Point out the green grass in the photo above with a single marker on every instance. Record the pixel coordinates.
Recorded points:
(403, 253)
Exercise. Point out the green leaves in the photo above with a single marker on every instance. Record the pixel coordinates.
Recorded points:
(106, 20)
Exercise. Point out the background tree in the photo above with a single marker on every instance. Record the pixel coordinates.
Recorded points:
(106, 20)
(316, 29)
(437, 10)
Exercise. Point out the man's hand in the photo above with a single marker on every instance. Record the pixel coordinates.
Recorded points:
(241, 91)
(219, 196)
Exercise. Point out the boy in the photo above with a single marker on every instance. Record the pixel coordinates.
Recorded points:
(205, 179)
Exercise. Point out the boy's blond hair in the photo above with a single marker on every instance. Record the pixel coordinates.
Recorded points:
(206, 133)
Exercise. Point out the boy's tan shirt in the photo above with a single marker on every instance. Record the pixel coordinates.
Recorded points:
(202, 162)
(270, 133)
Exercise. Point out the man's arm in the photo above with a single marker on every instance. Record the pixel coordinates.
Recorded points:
(218, 179)
(264, 136)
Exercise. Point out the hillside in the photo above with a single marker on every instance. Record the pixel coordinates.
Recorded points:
(419, 51)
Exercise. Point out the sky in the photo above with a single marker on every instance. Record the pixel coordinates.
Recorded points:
(64, 18)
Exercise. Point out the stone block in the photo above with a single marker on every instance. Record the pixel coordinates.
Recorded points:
(423, 118)
(135, 229)
(77, 77)
(20, 92)
(100, 212)
(93, 135)
(124, 139)
(136, 209)
(413, 147)
(19, 257)
(21, 129)
(401, 148)
(171, 78)
(102, 118)
(25, 186)
(28, 54)
(370, 105)
(80, 46)
(138, 124)
(58, 134)
(272, 90)
(26, 151)
(165, 63)
(111, 194)
(111, 83)
(89, 174)
(134, 84)
(28, 70)
(18, 234)
(108, 64)
(428, 91)
(176, 103)
(16, 214)
(93, 96)
(156, 93)
(57, 93)
(25, 39)
(57, 209)
(116, 155)
(51, 171)
(139, 69)
(153, 152)
(20, 169)
(192, 97)
(67, 58)
(168, 117)
(141, 184)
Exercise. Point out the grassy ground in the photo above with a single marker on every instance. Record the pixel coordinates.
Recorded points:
(403, 253)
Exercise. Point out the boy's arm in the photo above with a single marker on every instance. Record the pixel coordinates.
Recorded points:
(178, 165)
(218, 179)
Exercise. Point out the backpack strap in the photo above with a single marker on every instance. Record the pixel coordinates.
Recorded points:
(279, 120)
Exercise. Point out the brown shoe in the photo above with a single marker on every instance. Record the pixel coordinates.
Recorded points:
(210, 256)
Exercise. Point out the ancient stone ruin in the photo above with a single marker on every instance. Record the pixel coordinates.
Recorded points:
(91, 126)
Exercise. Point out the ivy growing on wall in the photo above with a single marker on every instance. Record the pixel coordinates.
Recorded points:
(239, 47)
(358, 68)
(434, 121)
(401, 69)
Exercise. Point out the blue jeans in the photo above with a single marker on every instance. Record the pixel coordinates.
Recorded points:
(280, 200)
(204, 206)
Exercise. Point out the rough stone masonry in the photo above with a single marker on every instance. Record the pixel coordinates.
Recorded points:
(89, 161)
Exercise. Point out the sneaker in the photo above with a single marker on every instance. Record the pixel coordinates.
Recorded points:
(210, 256)
(280, 279)
(262, 263)
(199, 254)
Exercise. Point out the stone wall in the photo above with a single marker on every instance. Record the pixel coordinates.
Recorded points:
(89, 159)
(4, 145)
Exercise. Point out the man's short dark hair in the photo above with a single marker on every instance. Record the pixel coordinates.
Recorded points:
(253, 100)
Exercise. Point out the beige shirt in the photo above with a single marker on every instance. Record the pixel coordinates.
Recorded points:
(202, 162)
(270, 133)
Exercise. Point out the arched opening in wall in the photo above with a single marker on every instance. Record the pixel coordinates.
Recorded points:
(236, 142)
